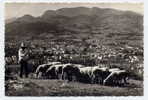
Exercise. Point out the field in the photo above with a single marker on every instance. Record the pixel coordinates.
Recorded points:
(43, 87)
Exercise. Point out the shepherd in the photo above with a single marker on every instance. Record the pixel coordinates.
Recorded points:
(23, 60)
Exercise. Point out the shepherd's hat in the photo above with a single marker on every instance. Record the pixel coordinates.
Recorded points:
(23, 44)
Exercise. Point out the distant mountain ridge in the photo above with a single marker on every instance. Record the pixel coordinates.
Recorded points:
(86, 22)
(9, 20)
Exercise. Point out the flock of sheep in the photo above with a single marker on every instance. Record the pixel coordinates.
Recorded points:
(76, 72)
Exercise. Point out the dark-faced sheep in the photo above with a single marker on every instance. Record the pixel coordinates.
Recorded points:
(85, 74)
(93, 74)
(70, 72)
(58, 71)
(99, 74)
(41, 69)
(50, 72)
(117, 77)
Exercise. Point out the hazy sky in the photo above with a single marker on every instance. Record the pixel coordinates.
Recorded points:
(37, 9)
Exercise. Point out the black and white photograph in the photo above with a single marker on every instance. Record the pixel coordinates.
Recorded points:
(74, 49)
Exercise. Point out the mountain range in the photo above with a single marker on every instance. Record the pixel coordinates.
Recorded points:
(103, 24)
